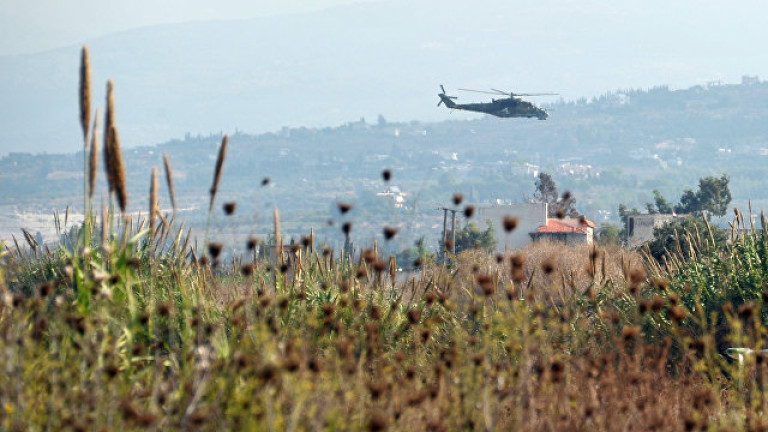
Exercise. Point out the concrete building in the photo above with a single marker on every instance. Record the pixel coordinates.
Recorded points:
(530, 217)
(640, 227)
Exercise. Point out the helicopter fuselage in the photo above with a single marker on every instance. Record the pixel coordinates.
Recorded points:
(505, 107)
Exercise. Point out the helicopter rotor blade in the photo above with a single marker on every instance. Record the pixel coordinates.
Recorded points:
(536, 94)
(442, 88)
(480, 91)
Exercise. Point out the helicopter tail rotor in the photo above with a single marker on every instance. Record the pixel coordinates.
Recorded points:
(445, 98)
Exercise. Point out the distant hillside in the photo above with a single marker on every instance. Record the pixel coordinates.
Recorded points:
(326, 68)
(614, 149)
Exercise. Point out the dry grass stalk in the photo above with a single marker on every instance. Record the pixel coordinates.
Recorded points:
(31, 241)
(169, 180)
(93, 164)
(104, 224)
(217, 171)
(116, 169)
(278, 238)
(153, 203)
(85, 91)
(109, 119)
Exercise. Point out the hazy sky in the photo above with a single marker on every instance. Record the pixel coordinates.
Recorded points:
(38, 25)
(385, 57)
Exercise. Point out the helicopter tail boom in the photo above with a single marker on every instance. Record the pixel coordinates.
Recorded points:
(447, 100)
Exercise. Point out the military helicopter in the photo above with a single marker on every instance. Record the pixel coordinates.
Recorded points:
(509, 106)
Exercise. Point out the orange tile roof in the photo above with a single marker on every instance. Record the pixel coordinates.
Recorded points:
(566, 225)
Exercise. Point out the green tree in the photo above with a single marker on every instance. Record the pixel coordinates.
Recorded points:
(680, 237)
(609, 234)
(471, 237)
(662, 205)
(546, 192)
(417, 253)
(713, 196)
(624, 213)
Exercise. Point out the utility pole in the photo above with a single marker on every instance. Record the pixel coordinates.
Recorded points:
(453, 228)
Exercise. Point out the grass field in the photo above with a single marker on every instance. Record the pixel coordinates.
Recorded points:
(128, 326)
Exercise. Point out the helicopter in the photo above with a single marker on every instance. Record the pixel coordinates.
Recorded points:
(509, 106)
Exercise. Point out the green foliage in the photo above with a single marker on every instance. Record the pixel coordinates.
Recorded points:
(546, 192)
(662, 205)
(417, 254)
(682, 238)
(713, 196)
(609, 234)
(471, 237)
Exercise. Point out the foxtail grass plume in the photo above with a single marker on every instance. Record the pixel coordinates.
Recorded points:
(217, 171)
(93, 163)
(153, 204)
(169, 180)
(116, 169)
(109, 120)
(85, 91)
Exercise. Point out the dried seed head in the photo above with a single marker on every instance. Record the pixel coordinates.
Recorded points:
(377, 422)
(677, 314)
(109, 121)
(510, 223)
(389, 233)
(346, 228)
(560, 214)
(457, 198)
(344, 207)
(251, 243)
(169, 179)
(85, 90)
(518, 275)
(215, 249)
(386, 175)
(548, 266)
(414, 315)
(486, 284)
(116, 169)
(229, 208)
(747, 310)
(369, 255)
(217, 170)
(469, 211)
(517, 260)
(630, 332)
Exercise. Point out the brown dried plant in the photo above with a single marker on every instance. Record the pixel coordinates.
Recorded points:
(85, 91)
(93, 163)
(169, 180)
(217, 170)
(116, 169)
(153, 201)
(109, 119)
